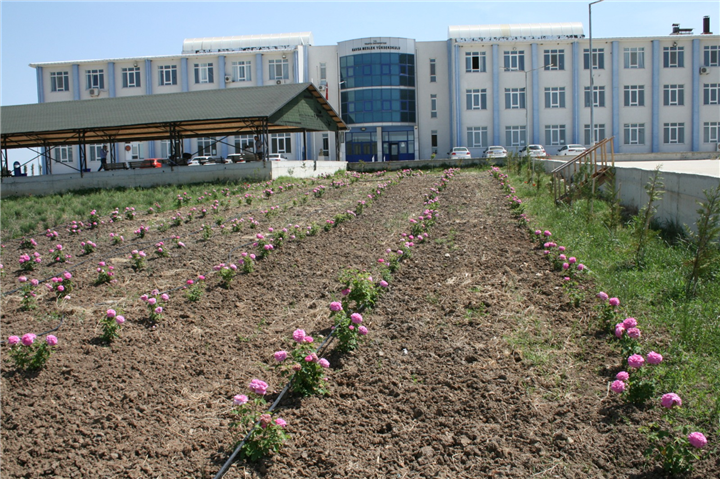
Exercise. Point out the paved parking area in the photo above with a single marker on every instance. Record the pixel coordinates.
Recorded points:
(709, 167)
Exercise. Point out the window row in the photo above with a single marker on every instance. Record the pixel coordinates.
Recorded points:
(555, 97)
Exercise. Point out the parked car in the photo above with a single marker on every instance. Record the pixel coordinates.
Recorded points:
(571, 150)
(276, 157)
(242, 157)
(536, 151)
(460, 152)
(495, 152)
(151, 163)
(205, 160)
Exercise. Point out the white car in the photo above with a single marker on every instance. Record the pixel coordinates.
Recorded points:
(535, 151)
(205, 160)
(571, 150)
(276, 157)
(460, 152)
(495, 152)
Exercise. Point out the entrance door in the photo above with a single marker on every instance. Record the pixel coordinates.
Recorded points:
(394, 152)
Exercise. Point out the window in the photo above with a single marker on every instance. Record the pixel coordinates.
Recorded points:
(711, 55)
(476, 99)
(165, 149)
(434, 141)
(279, 70)
(555, 97)
(634, 57)
(554, 59)
(93, 152)
(634, 95)
(599, 133)
(673, 57)
(554, 134)
(204, 73)
(477, 136)
(131, 77)
(711, 93)
(370, 105)
(433, 72)
(598, 97)
(515, 135)
(64, 154)
(323, 73)
(514, 98)
(673, 95)
(280, 143)
(244, 142)
(325, 145)
(674, 133)
(711, 131)
(475, 62)
(241, 71)
(634, 133)
(59, 81)
(94, 79)
(514, 60)
(377, 69)
(167, 75)
(206, 147)
(598, 57)
(433, 106)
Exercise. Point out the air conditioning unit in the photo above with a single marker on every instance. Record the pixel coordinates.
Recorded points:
(278, 82)
(94, 91)
(321, 88)
(704, 70)
(228, 78)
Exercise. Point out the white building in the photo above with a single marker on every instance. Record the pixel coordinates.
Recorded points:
(402, 99)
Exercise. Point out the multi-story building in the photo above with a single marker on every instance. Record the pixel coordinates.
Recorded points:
(485, 85)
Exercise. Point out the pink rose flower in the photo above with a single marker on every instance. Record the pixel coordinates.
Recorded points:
(654, 358)
(308, 339)
(383, 283)
(299, 335)
(630, 323)
(158, 310)
(265, 420)
(618, 386)
(636, 361)
(120, 319)
(51, 340)
(22, 279)
(572, 260)
(281, 356)
(309, 358)
(345, 291)
(13, 340)
(28, 339)
(622, 376)
(280, 422)
(602, 295)
(152, 301)
(634, 333)
(670, 400)
(111, 313)
(362, 330)
(324, 363)
(144, 297)
(356, 318)
(614, 302)
(336, 306)
(697, 439)
(619, 330)
(258, 387)
(240, 399)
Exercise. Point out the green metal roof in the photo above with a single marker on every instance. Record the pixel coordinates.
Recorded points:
(285, 108)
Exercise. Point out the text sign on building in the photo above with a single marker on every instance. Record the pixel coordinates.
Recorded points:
(376, 45)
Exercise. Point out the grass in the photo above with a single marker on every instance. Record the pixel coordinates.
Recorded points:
(685, 330)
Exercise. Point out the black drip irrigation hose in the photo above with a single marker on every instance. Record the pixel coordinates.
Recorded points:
(62, 319)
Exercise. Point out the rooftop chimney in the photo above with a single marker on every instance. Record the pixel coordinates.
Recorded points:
(706, 26)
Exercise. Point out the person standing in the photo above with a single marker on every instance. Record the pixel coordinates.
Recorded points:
(103, 158)
(259, 148)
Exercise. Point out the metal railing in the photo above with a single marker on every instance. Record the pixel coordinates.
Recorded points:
(589, 165)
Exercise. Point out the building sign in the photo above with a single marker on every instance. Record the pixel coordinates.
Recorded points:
(379, 44)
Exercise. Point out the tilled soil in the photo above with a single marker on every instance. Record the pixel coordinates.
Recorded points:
(476, 365)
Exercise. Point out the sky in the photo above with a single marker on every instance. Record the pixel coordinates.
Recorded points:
(35, 32)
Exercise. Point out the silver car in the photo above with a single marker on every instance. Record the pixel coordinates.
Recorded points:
(495, 152)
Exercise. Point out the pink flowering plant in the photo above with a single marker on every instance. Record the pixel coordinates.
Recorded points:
(111, 324)
(359, 290)
(61, 285)
(247, 262)
(28, 243)
(263, 433)
(27, 290)
(226, 272)
(303, 366)
(28, 353)
(675, 447)
(88, 246)
(195, 288)
(155, 301)
(138, 259)
(28, 262)
(348, 329)
(105, 273)
(161, 250)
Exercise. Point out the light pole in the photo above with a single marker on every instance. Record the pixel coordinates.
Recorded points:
(527, 121)
(591, 66)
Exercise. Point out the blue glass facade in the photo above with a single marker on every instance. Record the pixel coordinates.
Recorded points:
(377, 69)
(378, 105)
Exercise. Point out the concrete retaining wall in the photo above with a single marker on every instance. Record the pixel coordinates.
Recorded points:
(146, 178)
(679, 202)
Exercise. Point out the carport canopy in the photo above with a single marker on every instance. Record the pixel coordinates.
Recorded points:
(232, 111)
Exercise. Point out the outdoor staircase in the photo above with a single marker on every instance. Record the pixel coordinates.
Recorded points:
(588, 168)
